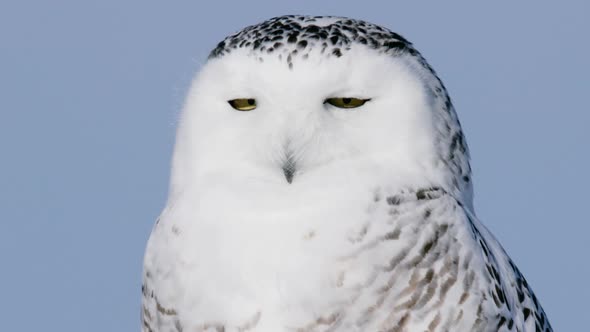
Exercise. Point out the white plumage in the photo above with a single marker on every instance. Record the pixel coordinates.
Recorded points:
(300, 215)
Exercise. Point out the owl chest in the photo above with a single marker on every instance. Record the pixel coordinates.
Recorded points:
(298, 260)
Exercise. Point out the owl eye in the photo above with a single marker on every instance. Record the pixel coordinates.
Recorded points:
(243, 104)
(346, 102)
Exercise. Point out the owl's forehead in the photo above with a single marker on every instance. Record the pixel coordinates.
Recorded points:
(359, 70)
(300, 37)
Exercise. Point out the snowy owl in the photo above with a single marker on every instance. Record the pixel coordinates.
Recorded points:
(321, 182)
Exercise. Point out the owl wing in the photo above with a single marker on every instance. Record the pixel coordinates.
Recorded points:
(446, 272)
(157, 313)
(515, 300)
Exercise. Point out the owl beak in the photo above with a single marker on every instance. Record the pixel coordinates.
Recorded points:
(289, 167)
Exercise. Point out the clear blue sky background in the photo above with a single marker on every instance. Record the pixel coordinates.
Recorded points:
(90, 94)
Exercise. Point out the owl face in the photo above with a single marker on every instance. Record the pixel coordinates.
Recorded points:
(267, 119)
(284, 111)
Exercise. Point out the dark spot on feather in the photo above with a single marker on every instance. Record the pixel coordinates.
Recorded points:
(526, 313)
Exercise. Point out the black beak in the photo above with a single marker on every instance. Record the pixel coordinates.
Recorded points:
(289, 168)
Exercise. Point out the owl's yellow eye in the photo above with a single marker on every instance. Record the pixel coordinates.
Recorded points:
(346, 102)
(243, 104)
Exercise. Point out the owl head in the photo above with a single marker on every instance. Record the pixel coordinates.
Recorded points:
(295, 98)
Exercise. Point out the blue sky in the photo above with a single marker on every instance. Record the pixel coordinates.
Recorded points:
(89, 101)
